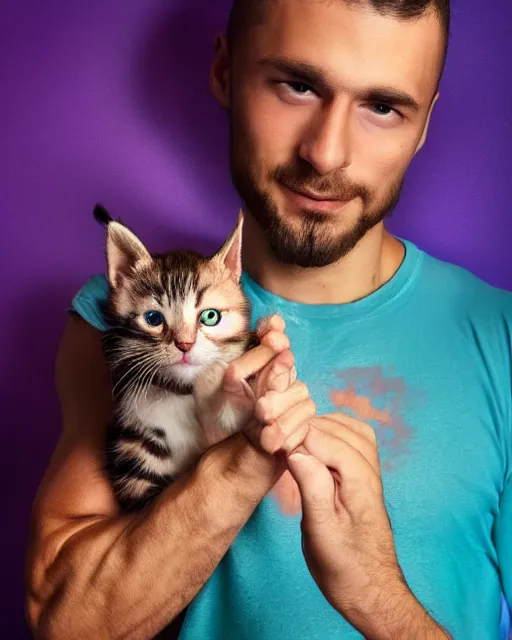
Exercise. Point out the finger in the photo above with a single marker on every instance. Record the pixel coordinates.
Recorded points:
(290, 429)
(270, 323)
(339, 455)
(354, 438)
(358, 426)
(316, 484)
(276, 340)
(247, 365)
(273, 404)
(277, 375)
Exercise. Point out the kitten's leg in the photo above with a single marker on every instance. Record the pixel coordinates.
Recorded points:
(138, 463)
(220, 415)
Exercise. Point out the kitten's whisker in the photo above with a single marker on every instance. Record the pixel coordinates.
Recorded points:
(126, 356)
(133, 350)
(134, 387)
(150, 366)
(126, 373)
(143, 385)
(139, 363)
(151, 381)
(143, 380)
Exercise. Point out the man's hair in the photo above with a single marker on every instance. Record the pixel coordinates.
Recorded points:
(245, 13)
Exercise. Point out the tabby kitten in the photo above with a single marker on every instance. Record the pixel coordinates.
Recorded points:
(175, 322)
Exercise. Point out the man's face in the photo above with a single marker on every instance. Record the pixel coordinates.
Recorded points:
(328, 104)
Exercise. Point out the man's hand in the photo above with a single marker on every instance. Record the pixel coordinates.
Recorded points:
(281, 416)
(266, 371)
(247, 376)
(347, 537)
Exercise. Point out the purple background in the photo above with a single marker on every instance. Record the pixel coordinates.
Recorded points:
(108, 101)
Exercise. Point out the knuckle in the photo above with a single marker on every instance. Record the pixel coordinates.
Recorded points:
(266, 406)
(302, 389)
(277, 320)
(366, 431)
(270, 323)
(370, 434)
(296, 436)
(311, 406)
(264, 340)
(279, 425)
(276, 341)
(282, 340)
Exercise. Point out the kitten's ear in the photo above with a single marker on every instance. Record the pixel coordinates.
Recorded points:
(124, 252)
(230, 254)
(102, 215)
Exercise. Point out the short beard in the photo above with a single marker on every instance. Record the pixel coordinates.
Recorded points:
(311, 246)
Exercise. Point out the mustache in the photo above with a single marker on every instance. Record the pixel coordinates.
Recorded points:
(330, 187)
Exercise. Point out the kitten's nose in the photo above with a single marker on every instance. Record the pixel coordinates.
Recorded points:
(184, 346)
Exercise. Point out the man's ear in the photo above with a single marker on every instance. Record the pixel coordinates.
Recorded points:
(220, 80)
(425, 129)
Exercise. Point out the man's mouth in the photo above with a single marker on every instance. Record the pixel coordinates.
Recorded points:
(316, 201)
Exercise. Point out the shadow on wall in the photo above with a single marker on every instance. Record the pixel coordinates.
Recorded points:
(171, 87)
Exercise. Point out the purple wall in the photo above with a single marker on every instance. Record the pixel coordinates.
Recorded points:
(108, 101)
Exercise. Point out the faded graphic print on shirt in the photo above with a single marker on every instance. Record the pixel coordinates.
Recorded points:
(380, 400)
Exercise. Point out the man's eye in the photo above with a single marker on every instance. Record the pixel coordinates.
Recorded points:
(299, 87)
(382, 109)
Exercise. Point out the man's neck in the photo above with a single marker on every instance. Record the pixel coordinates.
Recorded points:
(367, 267)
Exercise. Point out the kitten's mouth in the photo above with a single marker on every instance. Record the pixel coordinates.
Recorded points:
(186, 362)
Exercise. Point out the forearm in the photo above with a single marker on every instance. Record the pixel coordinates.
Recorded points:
(393, 613)
(128, 577)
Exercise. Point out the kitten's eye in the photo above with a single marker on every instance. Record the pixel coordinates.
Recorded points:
(210, 317)
(154, 318)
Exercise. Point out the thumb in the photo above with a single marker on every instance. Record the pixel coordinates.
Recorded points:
(315, 482)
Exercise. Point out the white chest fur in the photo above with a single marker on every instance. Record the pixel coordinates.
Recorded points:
(174, 414)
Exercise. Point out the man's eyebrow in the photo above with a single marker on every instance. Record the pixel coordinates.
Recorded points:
(310, 74)
(303, 71)
(390, 96)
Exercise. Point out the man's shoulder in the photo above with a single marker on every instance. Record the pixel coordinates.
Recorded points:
(461, 286)
(88, 301)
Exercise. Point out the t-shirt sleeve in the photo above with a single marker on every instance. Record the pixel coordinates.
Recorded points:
(89, 299)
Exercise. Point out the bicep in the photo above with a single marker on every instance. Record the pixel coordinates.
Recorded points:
(75, 493)
(75, 489)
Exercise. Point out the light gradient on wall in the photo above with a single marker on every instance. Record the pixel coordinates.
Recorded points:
(108, 101)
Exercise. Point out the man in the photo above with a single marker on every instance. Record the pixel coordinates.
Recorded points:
(406, 490)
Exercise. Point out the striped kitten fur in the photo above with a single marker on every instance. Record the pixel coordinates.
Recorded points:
(176, 320)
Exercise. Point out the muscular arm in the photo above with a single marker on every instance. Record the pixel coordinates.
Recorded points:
(94, 573)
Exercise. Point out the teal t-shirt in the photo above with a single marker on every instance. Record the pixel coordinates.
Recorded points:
(426, 360)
